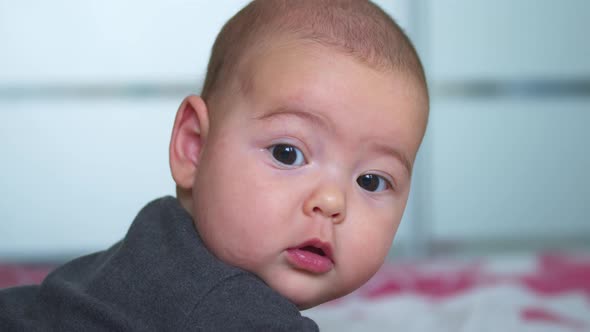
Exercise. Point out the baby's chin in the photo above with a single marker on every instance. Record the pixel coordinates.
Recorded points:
(303, 304)
(308, 296)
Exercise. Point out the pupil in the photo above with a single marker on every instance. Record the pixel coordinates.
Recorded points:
(285, 154)
(369, 182)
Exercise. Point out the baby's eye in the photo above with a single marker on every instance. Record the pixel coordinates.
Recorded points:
(373, 182)
(287, 154)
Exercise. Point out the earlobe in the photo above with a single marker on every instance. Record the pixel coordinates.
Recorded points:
(189, 134)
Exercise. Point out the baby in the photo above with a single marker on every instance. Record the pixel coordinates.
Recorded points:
(292, 168)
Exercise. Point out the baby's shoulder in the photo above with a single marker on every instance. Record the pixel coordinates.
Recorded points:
(243, 302)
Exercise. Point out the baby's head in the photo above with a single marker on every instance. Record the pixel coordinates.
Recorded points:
(295, 162)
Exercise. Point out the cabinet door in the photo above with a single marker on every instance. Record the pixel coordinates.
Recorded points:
(508, 148)
(510, 169)
(75, 173)
(83, 42)
(506, 39)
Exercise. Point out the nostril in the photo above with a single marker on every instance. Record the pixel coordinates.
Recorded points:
(333, 216)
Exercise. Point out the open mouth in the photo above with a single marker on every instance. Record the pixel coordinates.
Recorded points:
(315, 250)
(312, 256)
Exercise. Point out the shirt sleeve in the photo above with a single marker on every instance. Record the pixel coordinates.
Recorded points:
(245, 303)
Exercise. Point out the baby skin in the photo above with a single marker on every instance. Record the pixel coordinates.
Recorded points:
(301, 172)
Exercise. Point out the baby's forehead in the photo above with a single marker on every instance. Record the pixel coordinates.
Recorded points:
(298, 70)
(288, 54)
(283, 49)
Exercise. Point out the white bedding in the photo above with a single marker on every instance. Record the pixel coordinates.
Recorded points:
(524, 293)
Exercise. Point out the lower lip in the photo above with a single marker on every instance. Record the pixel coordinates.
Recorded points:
(308, 261)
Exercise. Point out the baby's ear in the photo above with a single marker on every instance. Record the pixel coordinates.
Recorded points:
(188, 136)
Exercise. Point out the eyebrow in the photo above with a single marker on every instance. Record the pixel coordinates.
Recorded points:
(320, 122)
(388, 150)
(314, 119)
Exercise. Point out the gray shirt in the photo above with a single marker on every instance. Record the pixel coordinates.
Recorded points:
(159, 277)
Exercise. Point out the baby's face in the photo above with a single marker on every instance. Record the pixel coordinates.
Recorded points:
(303, 178)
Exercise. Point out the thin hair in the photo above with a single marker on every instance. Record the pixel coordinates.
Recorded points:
(358, 28)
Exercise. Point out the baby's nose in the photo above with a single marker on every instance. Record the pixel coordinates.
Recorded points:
(328, 201)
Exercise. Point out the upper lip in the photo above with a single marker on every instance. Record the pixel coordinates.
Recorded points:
(317, 243)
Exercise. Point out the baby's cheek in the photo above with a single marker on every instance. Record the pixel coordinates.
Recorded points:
(368, 254)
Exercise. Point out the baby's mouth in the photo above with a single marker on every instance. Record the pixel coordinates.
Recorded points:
(313, 256)
(315, 250)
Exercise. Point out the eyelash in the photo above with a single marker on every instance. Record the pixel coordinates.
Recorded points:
(383, 183)
(299, 156)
